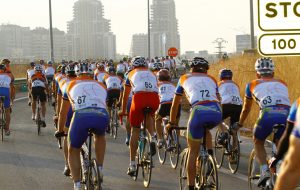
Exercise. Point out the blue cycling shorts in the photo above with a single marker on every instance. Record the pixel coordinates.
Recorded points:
(69, 117)
(83, 120)
(268, 117)
(6, 93)
(203, 114)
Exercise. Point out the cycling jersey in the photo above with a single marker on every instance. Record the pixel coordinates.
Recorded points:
(142, 80)
(293, 111)
(166, 92)
(30, 72)
(50, 71)
(268, 92)
(198, 87)
(121, 68)
(60, 82)
(99, 76)
(5, 81)
(126, 65)
(167, 64)
(112, 82)
(85, 93)
(38, 80)
(229, 92)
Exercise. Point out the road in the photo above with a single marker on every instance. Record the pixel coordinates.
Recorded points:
(32, 162)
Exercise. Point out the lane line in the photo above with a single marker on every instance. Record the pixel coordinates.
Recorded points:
(19, 99)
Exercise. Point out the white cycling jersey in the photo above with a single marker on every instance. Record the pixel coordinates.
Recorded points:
(166, 92)
(167, 64)
(5, 80)
(30, 72)
(230, 93)
(99, 76)
(121, 68)
(86, 94)
(142, 80)
(268, 92)
(50, 71)
(113, 82)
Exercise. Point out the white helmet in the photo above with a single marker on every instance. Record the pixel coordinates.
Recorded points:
(139, 62)
(83, 68)
(264, 66)
(38, 67)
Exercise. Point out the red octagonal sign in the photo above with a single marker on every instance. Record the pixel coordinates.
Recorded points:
(173, 52)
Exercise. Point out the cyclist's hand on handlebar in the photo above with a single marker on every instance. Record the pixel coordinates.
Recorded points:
(272, 164)
(236, 126)
(59, 134)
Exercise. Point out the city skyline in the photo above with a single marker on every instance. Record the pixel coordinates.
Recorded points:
(200, 22)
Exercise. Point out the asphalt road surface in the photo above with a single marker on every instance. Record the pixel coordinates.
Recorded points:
(32, 162)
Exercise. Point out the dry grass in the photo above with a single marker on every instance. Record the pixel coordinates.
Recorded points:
(286, 68)
(19, 70)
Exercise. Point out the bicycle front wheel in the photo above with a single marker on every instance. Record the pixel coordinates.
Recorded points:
(253, 171)
(92, 180)
(183, 182)
(2, 124)
(207, 177)
(219, 151)
(116, 124)
(147, 164)
(38, 120)
(234, 154)
(174, 149)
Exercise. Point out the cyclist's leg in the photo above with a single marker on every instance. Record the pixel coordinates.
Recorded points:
(194, 147)
(128, 128)
(158, 126)
(43, 100)
(34, 95)
(234, 117)
(65, 141)
(153, 103)
(5, 93)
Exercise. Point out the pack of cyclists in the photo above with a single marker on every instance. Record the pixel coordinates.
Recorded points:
(84, 92)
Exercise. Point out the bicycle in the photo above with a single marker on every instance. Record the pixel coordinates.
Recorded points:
(3, 119)
(58, 138)
(206, 169)
(114, 123)
(38, 116)
(254, 167)
(170, 144)
(90, 174)
(231, 149)
(144, 157)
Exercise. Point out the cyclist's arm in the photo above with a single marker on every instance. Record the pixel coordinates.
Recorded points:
(246, 110)
(290, 169)
(12, 92)
(283, 144)
(65, 105)
(59, 101)
(125, 97)
(175, 107)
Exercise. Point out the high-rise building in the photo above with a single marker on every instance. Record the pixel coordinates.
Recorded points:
(89, 33)
(243, 42)
(139, 45)
(164, 27)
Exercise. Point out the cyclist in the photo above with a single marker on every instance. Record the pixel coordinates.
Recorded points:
(29, 73)
(65, 113)
(151, 63)
(156, 67)
(50, 71)
(99, 72)
(289, 174)
(87, 98)
(167, 63)
(173, 66)
(166, 94)
(38, 85)
(283, 144)
(113, 84)
(144, 87)
(202, 92)
(6, 62)
(126, 63)
(121, 68)
(5, 90)
(60, 77)
(42, 63)
(272, 97)
(231, 101)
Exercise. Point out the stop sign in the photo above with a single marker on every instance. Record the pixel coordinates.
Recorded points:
(173, 52)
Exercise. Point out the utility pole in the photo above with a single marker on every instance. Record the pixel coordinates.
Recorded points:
(220, 42)
(149, 45)
(252, 25)
(51, 33)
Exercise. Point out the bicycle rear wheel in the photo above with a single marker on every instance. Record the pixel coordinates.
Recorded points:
(2, 123)
(39, 123)
(162, 153)
(91, 181)
(174, 149)
(234, 154)
(146, 164)
(116, 124)
(219, 151)
(183, 182)
(207, 177)
(253, 171)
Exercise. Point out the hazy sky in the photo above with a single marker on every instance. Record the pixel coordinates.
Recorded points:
(200, 21)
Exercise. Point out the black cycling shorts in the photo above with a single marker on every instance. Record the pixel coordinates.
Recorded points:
(165, 109)
(111, 95)
(50, 79)
(39, 92)
(233, 111)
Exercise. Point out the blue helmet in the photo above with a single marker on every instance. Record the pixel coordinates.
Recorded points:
(225, 73)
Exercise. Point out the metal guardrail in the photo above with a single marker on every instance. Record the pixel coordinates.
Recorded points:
(20, 84)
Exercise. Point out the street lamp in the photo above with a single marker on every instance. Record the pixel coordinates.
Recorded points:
(252, 24)
(51, 33)
(149, 46)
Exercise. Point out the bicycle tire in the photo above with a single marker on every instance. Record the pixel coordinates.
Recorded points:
(137, 166)
(162, 152)
(98, 180)
(91, 176)
(205, 174)
(38, 121)
(219, 151)
(116, 123)
(253, 171)
(174, 153)
(147, 163)
(235, 154)
(2, 122)
(183, 182)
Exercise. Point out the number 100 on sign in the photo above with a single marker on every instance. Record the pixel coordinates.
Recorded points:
(279, 44)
